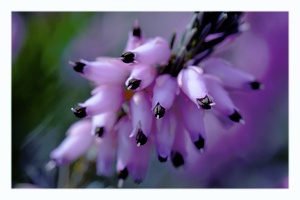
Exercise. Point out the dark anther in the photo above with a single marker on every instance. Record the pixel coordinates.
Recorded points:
(133, 84)
(200, 142)
(123, 174)
(79, 111)
(159, 111)
(255, 85)
(205, 102)
(127, 57)
(99, 131)
(236, 117)
(140, 138)
(137, 31)
(162, 159)
(177, 159)
(78, 67)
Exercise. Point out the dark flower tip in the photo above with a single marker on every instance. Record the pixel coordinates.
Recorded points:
(123, 174)
(137, 181)
(127, 57)
(200, 143)
(236, 117)
(78, 66)
(99, 131)
(255, 85)
(133, 84)
(159, 111)
(140, 138)
(79, 111)
(205, 102)
(162, 159)
(177, 159)
(137, 31)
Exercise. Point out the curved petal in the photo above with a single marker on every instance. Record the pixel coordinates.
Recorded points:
(141, 115)
(192, 84)
(164, 93)
(141, 77)
(103, 123)
(76, 143)
(233, 79)
(108, 98)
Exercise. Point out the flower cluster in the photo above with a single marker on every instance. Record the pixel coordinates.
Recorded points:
(156, 95)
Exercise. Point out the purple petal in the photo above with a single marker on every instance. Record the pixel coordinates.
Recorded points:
(233, 79)
(144, 74)
(104, 70)
(106, 98)
(105, 120)
(192, 84)
(76, 143)
(141, 113)
(164, 134)
(164, 91)
(191, 117)
(155, 51)
(106, 154)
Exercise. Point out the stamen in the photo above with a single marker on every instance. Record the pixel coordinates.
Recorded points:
(99, 131)
(128, 57)
(79, 111)
(162, 159)
(177, 159)
(133, 84)
(123, 174)
(136, 31)
(159, 111)
(255, 85)
(236, 117)
(200, 143)
(205, 102)
(78, 66)
(140, 138)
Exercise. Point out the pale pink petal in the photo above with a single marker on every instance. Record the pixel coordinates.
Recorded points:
(103, 123)
(76, 143)
(192, 84)
(141, 77)
(108, 98)
(141, 116)
(164, 93)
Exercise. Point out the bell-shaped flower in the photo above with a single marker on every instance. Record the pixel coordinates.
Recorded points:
(232, 78)
(76, 143)
(125, 146)
(192, 84)
(135, 38)
(153, 52)
(131, 159)
(164, 92)
(104, 70)
(101, 101)
(224, 104)
(179, 149)
(141, 117)
(140, 77)
(192, 119)
(164, 133)
(107, 148)
(103, 123)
